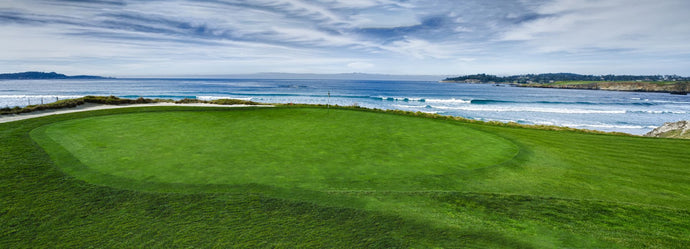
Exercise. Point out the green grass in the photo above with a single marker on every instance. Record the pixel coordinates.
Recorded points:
(304, 148)
(315, 178)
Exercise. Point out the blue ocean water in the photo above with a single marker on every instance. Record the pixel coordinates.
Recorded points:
(630, 112)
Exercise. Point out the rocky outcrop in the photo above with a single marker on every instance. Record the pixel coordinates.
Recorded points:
(680, 129)
(675, 88)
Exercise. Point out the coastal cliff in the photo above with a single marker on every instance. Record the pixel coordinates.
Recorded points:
(680, 129)
(634, 83)
(675, 88)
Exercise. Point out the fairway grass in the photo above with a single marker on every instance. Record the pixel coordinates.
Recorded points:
(310, 177)
(303, 148)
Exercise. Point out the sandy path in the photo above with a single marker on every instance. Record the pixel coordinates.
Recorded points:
(92, 107)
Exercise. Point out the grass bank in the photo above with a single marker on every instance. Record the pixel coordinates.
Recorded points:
(536, 188)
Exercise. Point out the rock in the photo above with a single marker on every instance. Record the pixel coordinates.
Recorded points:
(680, 129)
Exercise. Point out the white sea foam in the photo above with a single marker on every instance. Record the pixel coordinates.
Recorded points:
(40, 96)
(670, 102)
(209, 98)
(658, 112)
(529, 109)
(410, 106)
(24, 100)
(431, 112)
(544, 123)
(605, 127)
(451, 101)
(608, 126)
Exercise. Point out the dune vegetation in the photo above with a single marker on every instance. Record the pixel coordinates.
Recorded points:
(113, 100)
(338, 177)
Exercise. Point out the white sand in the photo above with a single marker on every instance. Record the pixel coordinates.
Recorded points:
(92, 107)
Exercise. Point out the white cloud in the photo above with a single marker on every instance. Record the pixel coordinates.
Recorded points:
(360, 65)
(364, 4)
(424, 49)
(636, 26)
(387, 36)
(304, 8)
(378, 19)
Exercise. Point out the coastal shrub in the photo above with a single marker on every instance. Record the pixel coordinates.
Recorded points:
(142, 100)
(65, 103)
(69, 103)
(113, 100)
(159, 100)
(108, 100)
(189, 101)
(233, 102)
(217, 101)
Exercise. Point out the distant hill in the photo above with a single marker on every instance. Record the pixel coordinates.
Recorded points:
(44, 76)
(554, 77)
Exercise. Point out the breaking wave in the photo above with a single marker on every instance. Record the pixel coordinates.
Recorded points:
(529, 109)
(209, 98)
(403, 99)
(449, 101)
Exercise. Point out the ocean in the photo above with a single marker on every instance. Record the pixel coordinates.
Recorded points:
(630, 112)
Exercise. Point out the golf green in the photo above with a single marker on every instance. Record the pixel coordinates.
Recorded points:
(314, 149)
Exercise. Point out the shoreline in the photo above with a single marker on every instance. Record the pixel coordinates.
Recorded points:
(93, 107)
(680, 88)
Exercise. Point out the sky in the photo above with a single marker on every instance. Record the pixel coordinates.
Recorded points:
(407, 37)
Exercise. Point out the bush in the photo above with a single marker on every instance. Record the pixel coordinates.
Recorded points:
(65, 103)
(233, 102)
(189, 101)
(112, 100)
(109, 100)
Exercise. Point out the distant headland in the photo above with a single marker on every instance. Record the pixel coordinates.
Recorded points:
(637, 83)
(44, 76)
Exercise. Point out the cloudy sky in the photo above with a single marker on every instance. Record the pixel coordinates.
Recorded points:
(453, 37)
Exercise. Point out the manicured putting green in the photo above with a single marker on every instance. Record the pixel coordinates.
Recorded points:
(315, 149)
